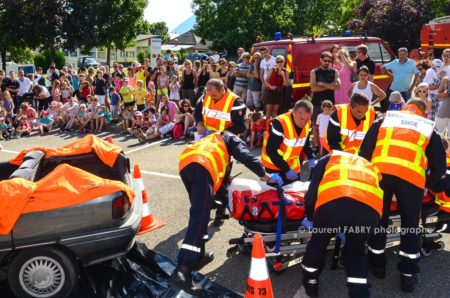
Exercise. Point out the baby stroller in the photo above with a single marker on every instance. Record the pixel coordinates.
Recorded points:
(276, 214)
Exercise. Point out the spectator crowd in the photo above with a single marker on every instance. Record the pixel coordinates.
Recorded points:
(154, 102)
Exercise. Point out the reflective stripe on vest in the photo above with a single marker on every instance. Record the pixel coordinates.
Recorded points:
(292, 145)
(211, 153)
(217, 115)
(401, 144)
(352, 134)
(348, 175)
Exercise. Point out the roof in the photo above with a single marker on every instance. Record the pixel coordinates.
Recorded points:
(145, 36)
(189, 39)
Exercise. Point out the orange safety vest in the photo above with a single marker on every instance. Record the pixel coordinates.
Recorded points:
(441, 198)
(400, 147)
(348, 175)
(292, 145)
(217, 115)
(211, 153)
(352, 135)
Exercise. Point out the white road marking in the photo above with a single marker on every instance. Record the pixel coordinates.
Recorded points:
(9, 151)
(160, 174)
(143, 147)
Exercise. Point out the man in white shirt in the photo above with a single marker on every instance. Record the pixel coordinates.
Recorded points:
(267, 63)
(433, 80)
(24, 85)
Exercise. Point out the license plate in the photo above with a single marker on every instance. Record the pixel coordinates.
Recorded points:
(431, 219)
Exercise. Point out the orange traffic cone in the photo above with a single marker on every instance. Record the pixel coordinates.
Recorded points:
(148, 222)
(258, 283)
(110, 139)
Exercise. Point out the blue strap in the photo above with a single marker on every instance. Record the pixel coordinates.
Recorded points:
(280, 220)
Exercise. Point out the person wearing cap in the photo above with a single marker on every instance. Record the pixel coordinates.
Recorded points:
(45, 123)
(433, 80)
(23, 127)
(203, 168)
(409, 154)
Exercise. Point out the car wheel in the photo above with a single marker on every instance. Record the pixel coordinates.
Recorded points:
(42, 272)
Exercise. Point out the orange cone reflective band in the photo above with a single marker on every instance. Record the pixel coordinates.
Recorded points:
(148, 222)
(258, 283)
(110, 140)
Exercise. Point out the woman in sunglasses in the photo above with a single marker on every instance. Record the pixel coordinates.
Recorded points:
(276, 80)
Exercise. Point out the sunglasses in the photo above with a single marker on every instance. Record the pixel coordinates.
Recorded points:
(327, 61)
(419, 68)
(422, 91)
(185, 106)
(280, 61)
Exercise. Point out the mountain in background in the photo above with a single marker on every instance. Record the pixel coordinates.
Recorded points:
(184, 27)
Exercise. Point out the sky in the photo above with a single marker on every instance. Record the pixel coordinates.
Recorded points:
(173, 12)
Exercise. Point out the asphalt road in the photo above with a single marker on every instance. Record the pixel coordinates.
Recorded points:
(158, 162)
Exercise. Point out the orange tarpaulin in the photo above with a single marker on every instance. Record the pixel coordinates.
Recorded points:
(63, 187)
(107, 152)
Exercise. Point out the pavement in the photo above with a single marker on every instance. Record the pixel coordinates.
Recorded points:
(158, 162)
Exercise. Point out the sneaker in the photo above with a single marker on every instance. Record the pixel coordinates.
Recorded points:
(408, 282)
(311, 286)
(207, 258)
(378, 272)
(182, 279)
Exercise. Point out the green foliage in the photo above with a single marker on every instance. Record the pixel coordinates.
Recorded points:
(159, 28)
(143, 54)
(20, 55)
(44, 59)
(233, 23)
(438, 8)
(181, 54)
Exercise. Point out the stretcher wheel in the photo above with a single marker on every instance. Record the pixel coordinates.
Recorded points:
(426, 252)
(441, 245)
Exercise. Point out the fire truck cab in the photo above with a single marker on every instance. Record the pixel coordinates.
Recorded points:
(435, 37)
(302, 55)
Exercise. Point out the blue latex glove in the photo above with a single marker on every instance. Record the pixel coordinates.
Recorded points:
(342, 237)
(312, 163)
(307, 224)
(275, 178)
(291, 175)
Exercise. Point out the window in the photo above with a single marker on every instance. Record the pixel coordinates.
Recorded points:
(279, 51)
(374, 52)
(385, 54)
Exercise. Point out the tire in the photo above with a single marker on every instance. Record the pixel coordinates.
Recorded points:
(56, 272)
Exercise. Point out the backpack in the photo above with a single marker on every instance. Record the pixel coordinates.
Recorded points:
(178, 130)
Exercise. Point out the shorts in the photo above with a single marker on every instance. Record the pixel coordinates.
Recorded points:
(272, 97)
(253, 99)
(128, 104)
(166, 128)
(240, 92)
(101, 99)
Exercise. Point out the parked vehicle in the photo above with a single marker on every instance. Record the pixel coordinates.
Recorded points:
(45, 248)
(197, 56)
(303, 55)
(87, 62)
(435, 36)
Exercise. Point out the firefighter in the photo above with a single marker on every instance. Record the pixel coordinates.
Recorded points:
(285, 141)
(203, 166)
(343, 197)
(219, 110)
(349, 123)
(409, 153)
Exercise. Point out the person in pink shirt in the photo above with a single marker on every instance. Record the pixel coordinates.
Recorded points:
(170, 105)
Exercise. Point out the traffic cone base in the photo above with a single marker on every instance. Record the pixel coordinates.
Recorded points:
(258, 283)
(148, 221)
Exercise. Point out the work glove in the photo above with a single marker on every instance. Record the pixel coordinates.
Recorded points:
(341, 236)
(312, 163)
(291, 175)
(307, 224)
(275, 178)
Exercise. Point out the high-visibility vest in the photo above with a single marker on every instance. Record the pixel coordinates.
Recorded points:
(348, 175)
(441, 198)
(352, 135)
(400, 147)
(217, 115)
(292, 145)
(211, 153)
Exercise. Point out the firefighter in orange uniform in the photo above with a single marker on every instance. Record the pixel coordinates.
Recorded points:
(409, 153)
(349, 123)
(203, 166)
(287, 138)
(343, 197)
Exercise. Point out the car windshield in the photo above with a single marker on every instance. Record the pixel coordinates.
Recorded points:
(90, 60)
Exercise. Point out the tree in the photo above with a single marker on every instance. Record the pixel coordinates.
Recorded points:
(107, 24)
(399, 22)
(232, 23)
(159, 28)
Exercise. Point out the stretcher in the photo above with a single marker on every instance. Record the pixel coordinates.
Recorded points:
(285, 239)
